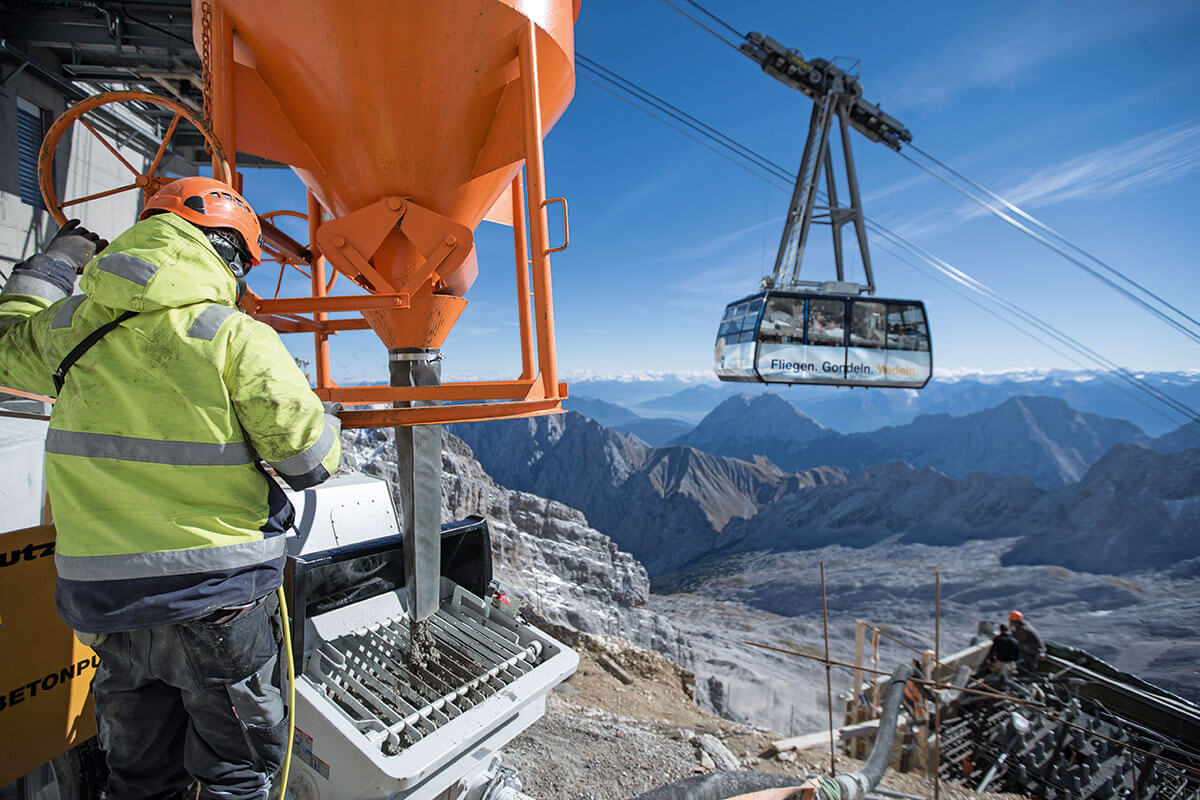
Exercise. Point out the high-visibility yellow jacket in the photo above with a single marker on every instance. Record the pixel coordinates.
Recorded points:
(152, 456)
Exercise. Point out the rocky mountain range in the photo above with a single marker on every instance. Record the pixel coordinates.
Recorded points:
(857, 410)
(1038, 437)
(672, 506)
(544, 552)
(1185, 437)
(655, 431)
(915, 504)
(749, 425)
(1134, 510)
(667, 506)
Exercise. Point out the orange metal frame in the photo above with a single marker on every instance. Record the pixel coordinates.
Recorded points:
(348, 243)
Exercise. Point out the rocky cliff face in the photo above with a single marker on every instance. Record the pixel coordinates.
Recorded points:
(1185, 437)
(1135, 509)
(544, 552)
(664, 505)
(1038, 437)
(919, 504)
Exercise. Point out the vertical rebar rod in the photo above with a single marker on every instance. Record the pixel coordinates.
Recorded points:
(875, 666)
(828, 679)
(937, 662)
(859, 635)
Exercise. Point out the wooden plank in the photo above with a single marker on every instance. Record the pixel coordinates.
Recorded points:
(612, 668)
(821, 738)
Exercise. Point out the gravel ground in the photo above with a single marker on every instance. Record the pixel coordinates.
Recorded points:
(605, 739)
(566, 755)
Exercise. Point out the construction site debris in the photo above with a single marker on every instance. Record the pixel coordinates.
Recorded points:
(717, 752)
(618, 673)
(581, 749)
(809, 741)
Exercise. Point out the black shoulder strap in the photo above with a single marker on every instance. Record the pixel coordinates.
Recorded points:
(60, 374)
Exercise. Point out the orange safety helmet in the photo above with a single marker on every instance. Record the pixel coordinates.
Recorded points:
(1015, 616)
(209, 203)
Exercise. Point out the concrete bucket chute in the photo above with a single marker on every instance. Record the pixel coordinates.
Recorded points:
(409, 123)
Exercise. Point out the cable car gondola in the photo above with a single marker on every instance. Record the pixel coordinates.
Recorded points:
(831, 333)
(825, 339)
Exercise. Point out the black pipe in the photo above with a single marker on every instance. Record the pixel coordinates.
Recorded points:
(852, 785)
(856, 785)
(719, 786)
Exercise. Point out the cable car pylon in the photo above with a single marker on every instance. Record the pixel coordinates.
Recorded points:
(824, 332)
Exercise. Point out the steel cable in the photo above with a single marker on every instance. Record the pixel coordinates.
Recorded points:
(713, 16)
(649, 113)
(1193, 335)
(628, 86)
(1052, 232)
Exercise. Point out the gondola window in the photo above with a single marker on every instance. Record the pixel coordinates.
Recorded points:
(827, 323)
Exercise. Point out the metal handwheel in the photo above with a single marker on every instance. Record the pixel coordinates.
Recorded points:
(96, 115)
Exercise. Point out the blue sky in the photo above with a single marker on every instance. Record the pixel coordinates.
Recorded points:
(1086, 113)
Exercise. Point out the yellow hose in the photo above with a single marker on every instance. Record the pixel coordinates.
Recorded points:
(291, 674)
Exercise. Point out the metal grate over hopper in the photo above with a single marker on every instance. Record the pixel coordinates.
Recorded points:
(368, 722)
(395, 703)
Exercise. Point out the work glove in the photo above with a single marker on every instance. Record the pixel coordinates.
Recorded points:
(332, 409)
(63, 259)
(76, 244)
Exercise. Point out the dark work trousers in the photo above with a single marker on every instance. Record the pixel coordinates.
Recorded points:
(194, 701)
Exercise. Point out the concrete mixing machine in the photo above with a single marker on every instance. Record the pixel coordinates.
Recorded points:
(409, 123)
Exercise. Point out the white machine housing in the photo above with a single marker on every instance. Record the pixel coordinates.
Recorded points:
(371, 726)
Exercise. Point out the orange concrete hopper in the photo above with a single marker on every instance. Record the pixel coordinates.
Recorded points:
(409, 122)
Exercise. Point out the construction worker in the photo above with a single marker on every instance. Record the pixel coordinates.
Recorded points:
(1028, 639)
(1004, 653)
(170, 530)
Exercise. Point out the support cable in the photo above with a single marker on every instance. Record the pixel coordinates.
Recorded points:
(739, 164)
(1193, 335)
(990, 309)
(712, 16)
(1052, 232)
(629, 87)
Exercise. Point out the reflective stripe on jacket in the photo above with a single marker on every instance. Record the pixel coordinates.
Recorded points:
(162, 510)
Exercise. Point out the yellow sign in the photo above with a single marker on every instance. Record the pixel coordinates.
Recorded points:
(45, 673)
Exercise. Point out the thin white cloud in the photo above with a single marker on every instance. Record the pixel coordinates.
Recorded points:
(1149, 160)
(636, 197)
(1144, 162)
(715, 244)
(894, 187)
(1003, 52)
(476, 330)
(730, 281)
